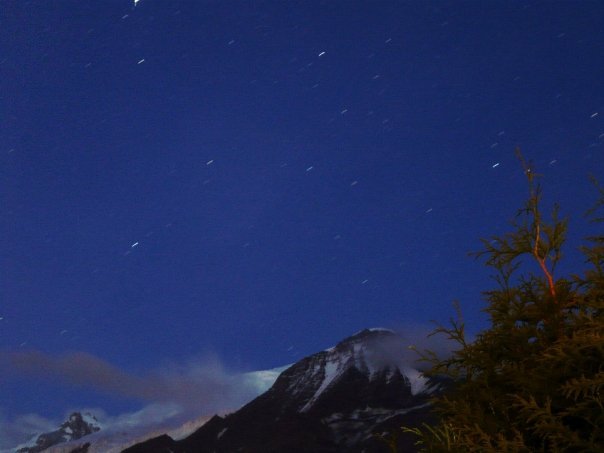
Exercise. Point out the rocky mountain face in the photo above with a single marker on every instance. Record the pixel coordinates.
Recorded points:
(338, 400)
(76, 427)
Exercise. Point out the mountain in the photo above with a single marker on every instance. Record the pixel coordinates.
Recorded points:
(334, 401)
(76, 427)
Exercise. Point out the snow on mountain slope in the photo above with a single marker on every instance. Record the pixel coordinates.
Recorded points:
(372, 352)
(77, 426)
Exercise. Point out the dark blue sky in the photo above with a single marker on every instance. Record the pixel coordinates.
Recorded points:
(258, 180)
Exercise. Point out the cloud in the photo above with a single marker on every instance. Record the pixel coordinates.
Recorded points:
(415, 338)
(77, 368)
(203, 384)
(175, 392)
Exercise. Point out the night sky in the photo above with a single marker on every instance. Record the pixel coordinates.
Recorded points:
(254, 181)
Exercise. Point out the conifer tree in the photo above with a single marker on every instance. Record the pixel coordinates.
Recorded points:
(533, 381)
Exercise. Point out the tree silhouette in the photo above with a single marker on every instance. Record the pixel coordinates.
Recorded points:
(533, 380)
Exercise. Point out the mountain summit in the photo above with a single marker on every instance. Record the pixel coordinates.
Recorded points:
(336, 400)
(76, 427)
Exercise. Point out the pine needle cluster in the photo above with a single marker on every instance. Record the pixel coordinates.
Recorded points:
(534, 380)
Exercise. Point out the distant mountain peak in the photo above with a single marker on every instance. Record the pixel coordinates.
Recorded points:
(77, 426)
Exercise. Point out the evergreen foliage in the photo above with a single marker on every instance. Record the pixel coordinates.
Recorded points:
(534, 380)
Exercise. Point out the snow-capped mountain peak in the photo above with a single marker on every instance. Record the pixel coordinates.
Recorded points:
(372, 353)
(77, 426)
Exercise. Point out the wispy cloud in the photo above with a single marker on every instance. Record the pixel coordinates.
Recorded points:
(203, 383)
(174, 391)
